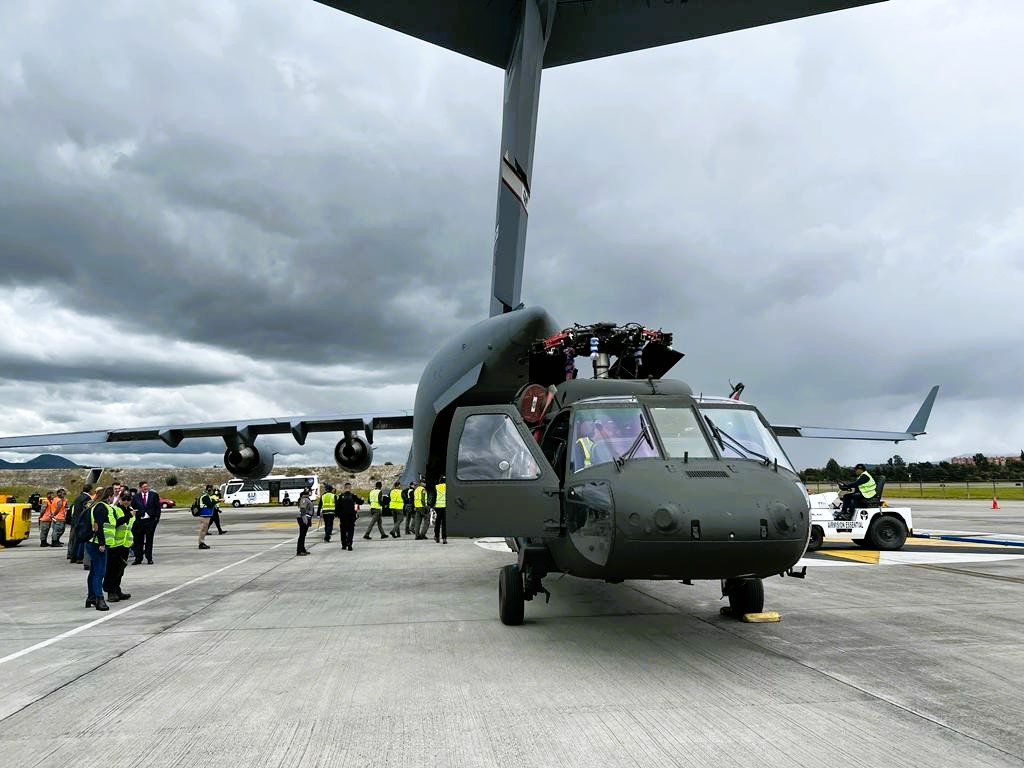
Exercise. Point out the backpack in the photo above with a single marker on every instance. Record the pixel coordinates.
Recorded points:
(83, 525)
(196, 506)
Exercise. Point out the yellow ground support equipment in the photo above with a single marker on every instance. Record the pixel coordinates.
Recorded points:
(15, 523)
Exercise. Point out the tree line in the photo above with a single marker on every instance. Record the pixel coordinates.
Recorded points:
(897, 470)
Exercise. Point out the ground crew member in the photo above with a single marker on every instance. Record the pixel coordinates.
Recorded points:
(864, 490)
(117, 555)
(76, 548)
(58, 515)
(397, 504)
(207, 506)
(440, 510)
(377, 500)
(304, 519)
(325, 507)
(407, 507)
(347, 507)
(215, 520)
(419, 501)
(45, 519)
(102, 518)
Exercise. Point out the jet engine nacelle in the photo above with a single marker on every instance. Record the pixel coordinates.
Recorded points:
(248, 463)
(353, 454)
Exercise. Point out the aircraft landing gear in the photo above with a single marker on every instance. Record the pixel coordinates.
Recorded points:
(511, 609)
(522, 581)
(745, 595)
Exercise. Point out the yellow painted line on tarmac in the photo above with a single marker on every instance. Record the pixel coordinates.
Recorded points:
(857, 555)
(291, 524)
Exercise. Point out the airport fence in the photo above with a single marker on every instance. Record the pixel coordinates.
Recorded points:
(1003, 490)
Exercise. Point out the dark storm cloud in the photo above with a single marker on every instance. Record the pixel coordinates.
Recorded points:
(117, 371)
(830, 210)
(252, 234)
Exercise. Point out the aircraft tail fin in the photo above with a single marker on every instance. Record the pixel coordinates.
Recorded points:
(583, 29)
(920, 421)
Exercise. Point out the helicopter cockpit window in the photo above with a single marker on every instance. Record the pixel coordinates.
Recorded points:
(680, 433)
(745, 436)
(491, 448)
(600, 435)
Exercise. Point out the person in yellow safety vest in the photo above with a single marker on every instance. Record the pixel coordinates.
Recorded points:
(864, 490)
(587, 435)
(46, 519)
(375, 512)
(117, 554)
(103, 521)
(397, 504)
(440, 511)
(419, 502)
(325, 508)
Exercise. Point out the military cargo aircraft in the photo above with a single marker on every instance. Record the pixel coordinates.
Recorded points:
(622, 474)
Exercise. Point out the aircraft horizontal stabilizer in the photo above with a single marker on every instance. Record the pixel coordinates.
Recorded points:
(582, 29)
(245, 429)
(917, 427)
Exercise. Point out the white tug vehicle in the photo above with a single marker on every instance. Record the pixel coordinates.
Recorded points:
(878, 527)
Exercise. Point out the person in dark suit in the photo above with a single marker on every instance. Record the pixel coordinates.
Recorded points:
(147, 503)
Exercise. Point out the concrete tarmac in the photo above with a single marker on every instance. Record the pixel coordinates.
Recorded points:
(392, 655)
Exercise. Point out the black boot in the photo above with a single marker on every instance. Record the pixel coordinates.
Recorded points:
(101, 604)
(90, 602)
(124, 595)
(113, 598)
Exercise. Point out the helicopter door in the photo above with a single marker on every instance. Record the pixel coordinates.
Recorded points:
(498, 481)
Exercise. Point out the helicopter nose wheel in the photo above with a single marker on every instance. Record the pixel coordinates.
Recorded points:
(745, 595)
(511, 595)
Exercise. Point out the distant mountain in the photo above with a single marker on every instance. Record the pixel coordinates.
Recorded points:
(43, 461)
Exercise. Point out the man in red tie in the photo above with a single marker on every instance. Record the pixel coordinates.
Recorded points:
(147, 502)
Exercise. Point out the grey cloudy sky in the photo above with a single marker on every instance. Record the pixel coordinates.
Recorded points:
(268, 208)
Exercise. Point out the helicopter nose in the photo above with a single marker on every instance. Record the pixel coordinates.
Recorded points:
(696, 522)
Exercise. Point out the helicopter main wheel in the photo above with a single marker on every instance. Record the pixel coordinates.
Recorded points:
(745, 595)
(887, 533)
(817, 538)
(510, 596)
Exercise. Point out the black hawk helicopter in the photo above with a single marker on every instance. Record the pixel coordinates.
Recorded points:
(620, 475)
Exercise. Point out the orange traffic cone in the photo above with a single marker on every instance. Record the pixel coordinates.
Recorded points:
(995, 504)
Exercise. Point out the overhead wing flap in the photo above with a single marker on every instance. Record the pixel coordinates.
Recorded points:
(248, 430)
(592, 29)
(582, 29)
(480, 30)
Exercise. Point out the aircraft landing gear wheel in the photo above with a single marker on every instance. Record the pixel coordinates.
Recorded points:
(887, 533)
(510, 596)
(236, 503)
(745, 595)
(817, 538)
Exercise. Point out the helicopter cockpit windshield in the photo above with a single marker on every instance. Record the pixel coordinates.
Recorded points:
(602, 434)
(744, 435)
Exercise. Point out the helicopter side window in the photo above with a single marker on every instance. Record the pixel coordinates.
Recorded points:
(680, 433)
(600, 435)
(491, 448)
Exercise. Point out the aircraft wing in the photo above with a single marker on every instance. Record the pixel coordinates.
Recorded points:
(917, 427)
(246, 429)
(582, 29)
